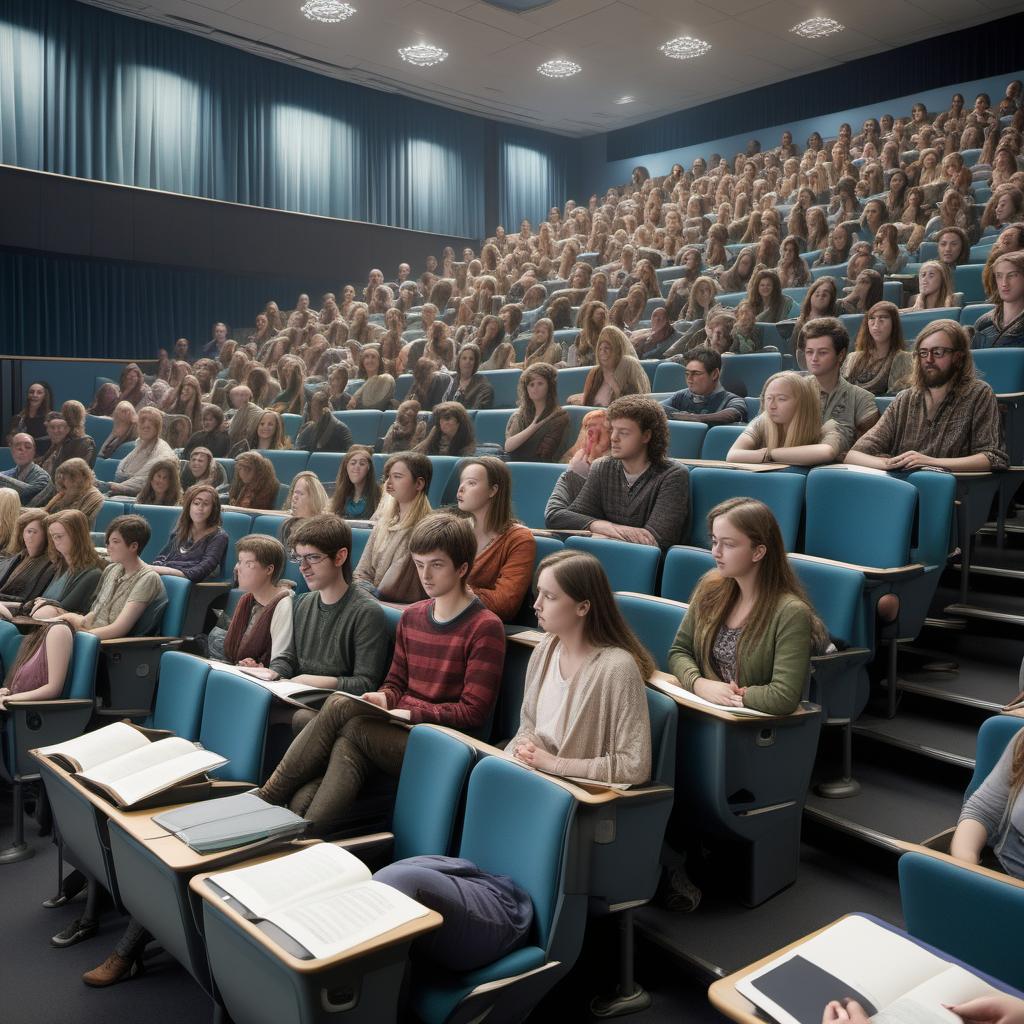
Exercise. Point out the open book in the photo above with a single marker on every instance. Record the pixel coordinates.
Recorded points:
(122, 763)
(891, 976)
(675, 690)
(322, 897)
(222, 824)
(297, 694)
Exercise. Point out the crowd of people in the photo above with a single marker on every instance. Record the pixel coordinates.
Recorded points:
(575, 292)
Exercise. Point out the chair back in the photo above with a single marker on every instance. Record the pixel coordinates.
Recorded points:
(234, 724)
(179, 694)
(629, 566)
(655, 622)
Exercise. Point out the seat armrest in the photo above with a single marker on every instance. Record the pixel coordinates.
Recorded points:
(49, 705)
(871, 572)
(977, 869)
(164, 642)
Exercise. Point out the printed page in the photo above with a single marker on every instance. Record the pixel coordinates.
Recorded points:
(153, 780)
(138, 760)
(97, 747)
(879, 964)
(691, 698)
(331, 924)
(270, 886)
(924, 1004)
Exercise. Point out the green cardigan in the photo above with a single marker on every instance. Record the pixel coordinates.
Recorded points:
(774, 669)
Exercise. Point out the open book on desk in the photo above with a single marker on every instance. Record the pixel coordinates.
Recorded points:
(297, 694)
(663, 683)
(231, 821)
(891, 976)
(321, 897)
(123, 764)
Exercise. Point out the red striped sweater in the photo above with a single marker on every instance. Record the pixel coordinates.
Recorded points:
(447, 673)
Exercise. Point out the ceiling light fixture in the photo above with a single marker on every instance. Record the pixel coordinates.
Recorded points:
(625, 99)
(559, 68)
(684, 48)
(423, 55)
(330, 12)
(817, 28)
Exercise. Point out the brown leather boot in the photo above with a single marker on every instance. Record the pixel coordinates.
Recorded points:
(114, 969)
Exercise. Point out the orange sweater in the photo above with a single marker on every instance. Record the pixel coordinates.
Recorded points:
(502, 573)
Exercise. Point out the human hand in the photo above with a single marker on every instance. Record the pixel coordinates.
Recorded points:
(536, 757)
(377, 699)
(726, 694)
(265, 673)
(849, 1010)
(909, 460)
(999, 1009)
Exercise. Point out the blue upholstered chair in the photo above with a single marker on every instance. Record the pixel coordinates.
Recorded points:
(532, 484)
(631, 567)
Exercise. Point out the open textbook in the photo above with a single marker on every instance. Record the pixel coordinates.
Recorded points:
(891, 976)
(125, 765)
(322, 896)
(297, 694)
(664, 683)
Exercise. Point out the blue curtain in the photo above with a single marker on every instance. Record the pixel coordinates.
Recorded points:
(978, 52)
(535, 172)
(88, 93)
(78, 307)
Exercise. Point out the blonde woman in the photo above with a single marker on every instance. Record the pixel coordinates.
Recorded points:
(133, 470)
(618, 372)
(542, 347)
(386, 567)
(76, 488)
(934, 287)
(789, 430)
(306, 498)
(125, 429)
(10, 509)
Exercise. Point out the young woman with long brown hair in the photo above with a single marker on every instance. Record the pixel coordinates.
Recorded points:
(878, 362)
(76, 488)
(255, 484)
(163, 484)
(78, 566)
(196, 547)
(356, 491)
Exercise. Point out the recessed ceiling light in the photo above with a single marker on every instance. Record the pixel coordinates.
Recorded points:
(330, 12)
(559, 68)
(817, 28)
(684, 48)
(423, 55)
(625, 99)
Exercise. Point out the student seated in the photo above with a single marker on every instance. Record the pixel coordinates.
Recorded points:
(306, 498)
(749, 631)
(636, 494)
(356, 491)
(125, 427)
(535, 431)
(947, 418)
(78, 566)
(990, 812)
(63, 444)
(617, 371)
(203, 468)
(133, 470)
(27, 479)
(878, 362)
(704, 400)
(75, 487)
(213, 435)
(790, 428)
(407, 431)
(935, 287)
(198, 543)
(447, 666)
(163, 484)
(1004, 326)
(323, 432)
(127, 588)
(451, 432)
(39, 671)
(337, 629)
(386, 568)
(34, 568)
(255, 484)
(593, 441)
(259, 630)
(850, 407)
(584, 710)
(246, 414)
(468, 386)
(503, 567)
(656, 340)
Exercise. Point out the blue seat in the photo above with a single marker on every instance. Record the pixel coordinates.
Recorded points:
(652, 305)
(105, 469)
(287, 463)
(914, 322)
(655, 620)
(928, 251)
(838, 271)
(292, 424)
(971, 314)
(505, 384)
(123, 450)
(685, 439)
(718, 441)
(99, 428)
(892, 291)
(489, 425)
(566, 336)
(519, 824)
(753, 407)
(731, 299)
(571, 380)
(525, 617)
(746, 374)
(443, 478)
(532, 484)
(237, 525)
(180, 695)
(782, 492)
(364, 424)
(967, 279)
(29, 724)
(228, 465)
(162, 520)
(669, 377)
(269, 525)
(108, 512)
(957, 907)
(572, 429)
(631, 567)
(981, 251)
(684, 566)
(326, 466)
(234, 724)
(360, 535)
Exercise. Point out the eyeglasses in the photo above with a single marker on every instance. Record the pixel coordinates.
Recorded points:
(933, 353)
(694, 373)
(314, 559)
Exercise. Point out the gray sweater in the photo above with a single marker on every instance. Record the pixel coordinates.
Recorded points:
(344, 640)
(658, 501)
(990, 805)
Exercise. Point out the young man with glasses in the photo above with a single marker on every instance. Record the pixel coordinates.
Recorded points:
(338, 631)
(947, 418)
(704, 400)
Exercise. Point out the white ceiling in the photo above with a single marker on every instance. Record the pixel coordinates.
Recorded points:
(491, 69)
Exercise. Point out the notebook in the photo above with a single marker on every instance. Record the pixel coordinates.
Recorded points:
(227, 822)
